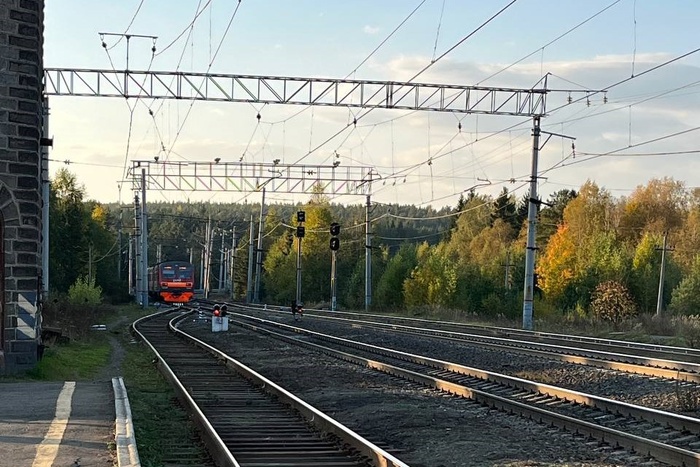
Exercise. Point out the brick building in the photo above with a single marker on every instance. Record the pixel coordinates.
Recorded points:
(21, 70)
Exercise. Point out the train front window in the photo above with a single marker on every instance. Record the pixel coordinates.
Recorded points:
(185, 272)
(168, 273)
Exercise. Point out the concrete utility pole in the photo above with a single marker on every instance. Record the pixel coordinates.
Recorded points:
(130, 262)
(233, 264)
(45, 199)
(207, 258)
(144, 242)
(119, 244)
(662, 274)
(137, 249)
(159, 253)
(251, 247)
(258, 258)
(368, 258)
(531, 230)
(221, 260)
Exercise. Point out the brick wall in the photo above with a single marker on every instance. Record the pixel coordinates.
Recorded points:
(21, 69)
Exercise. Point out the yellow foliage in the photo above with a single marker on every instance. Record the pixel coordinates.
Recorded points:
(556, 268)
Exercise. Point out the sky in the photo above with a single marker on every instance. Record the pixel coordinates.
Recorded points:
(647, 124)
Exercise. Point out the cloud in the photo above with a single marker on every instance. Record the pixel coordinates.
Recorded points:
(371, 30)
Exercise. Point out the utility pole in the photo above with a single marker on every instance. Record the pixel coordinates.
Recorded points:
(119, 243)
(207, 258)
(368, 258)
(221, 260)
(528, 296)
(46, 142)
(233, 264)
(137, 249)
(159, 253)
(130, 262)
(662, 274)
(258, 259)
(249, 285)
(144, 242)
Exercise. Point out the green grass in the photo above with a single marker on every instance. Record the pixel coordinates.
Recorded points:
(76, 361)
(159, 423)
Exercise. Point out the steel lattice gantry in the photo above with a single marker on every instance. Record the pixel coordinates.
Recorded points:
(249, 177)
(291, 90)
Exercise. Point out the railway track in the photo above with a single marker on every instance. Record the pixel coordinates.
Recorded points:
(642, 359)
(670, 438)
(246, 420)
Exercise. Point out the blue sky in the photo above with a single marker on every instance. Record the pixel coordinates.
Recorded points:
(329, 39)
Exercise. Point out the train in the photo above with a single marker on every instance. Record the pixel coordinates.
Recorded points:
(171, 282)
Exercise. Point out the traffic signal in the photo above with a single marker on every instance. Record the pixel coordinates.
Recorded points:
(335, 229)
(301, 231)
(301, 216)
(335, 243)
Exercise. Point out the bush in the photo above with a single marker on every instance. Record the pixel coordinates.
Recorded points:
(689, 328)
(85, 292)
(611, 301)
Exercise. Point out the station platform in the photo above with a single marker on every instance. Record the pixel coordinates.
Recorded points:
(66, 424)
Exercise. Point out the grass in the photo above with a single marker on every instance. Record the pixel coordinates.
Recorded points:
(76, 361)
(159, 422)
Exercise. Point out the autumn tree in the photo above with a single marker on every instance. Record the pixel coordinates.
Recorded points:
(552, 215)
(556, 268)
(611, 301)
(658, 207)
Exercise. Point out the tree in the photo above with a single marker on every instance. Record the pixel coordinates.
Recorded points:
(658, 207)
(611, 301)
(592, 211)
(686, 296)
(476, 216)
(552, 214)
(433, 282)
(398, 269)
(67, 230)
(557, 267)
(645, 271)
(504, 208)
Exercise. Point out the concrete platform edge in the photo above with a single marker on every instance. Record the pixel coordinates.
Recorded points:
(127, 453)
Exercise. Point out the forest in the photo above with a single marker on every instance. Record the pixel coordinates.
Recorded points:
(597, 255)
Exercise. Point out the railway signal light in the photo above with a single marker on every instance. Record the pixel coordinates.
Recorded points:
(301, 231)
(335, 243)
(301, 216)
(335, 229)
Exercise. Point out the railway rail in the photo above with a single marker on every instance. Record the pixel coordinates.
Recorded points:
(643, 359)
(245, 419)
(670, 438)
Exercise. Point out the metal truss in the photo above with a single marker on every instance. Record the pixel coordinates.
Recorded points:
(249, 177)
(301, 91)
